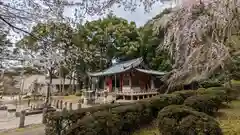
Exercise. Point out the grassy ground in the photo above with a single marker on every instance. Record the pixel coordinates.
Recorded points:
(228, 118)
(37, 129)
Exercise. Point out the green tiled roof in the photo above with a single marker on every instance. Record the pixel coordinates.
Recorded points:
(153, 72)
(119, 67)
(125, 66)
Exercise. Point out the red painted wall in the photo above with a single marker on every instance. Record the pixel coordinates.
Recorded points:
(108, 82)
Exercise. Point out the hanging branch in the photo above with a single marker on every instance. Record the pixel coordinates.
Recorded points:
(197, 38)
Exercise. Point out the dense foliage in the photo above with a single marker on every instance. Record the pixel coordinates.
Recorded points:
(183, 120)
(127, 117)
(92, 46)
(199, 37)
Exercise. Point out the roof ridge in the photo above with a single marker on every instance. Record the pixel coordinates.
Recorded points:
(122, 62)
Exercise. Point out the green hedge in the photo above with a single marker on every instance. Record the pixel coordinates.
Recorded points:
(204, 103)
(159, 102)
(208, 84)
(186, 93)
(225, 93)
(183, 120)
(119, 121)
(126, 118)
(59, 122)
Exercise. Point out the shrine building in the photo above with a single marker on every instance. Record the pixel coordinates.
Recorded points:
(129, 80)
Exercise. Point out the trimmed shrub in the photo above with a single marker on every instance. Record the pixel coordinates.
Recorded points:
(227, 94)
(121, 120)
(159, 102)
(55, 121)
(126, 118)
(183, 120)
(220, 91)
(204, 103)
(99, 123)
(208, 84)
(186, 93)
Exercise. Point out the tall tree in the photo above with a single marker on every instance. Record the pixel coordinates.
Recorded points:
(104, 39)
(197, 37)
(51, 48)
(20, 14)
(5, 46)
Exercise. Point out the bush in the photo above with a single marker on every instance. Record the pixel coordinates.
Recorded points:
(227, 94)
(208, 84)
(220, 91)
(204, 103)
(121, 120)
(183, 120)
(78, 93)
(186, 93)
(100, 123)
(159, 102)
(55, 121)
(126, 118)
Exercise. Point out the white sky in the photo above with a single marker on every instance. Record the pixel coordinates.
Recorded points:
(138, 16)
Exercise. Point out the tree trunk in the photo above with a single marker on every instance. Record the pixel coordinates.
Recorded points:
(61, 79)
(70, 83)
(63, 85)
(49, 87)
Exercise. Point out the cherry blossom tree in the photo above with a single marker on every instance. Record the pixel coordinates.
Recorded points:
(198, 36)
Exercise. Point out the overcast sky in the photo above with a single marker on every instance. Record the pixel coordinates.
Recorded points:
(138, 16)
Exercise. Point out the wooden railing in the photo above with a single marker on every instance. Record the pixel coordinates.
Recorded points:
(137, 93)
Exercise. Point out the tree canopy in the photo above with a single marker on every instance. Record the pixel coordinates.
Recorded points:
(197, 36)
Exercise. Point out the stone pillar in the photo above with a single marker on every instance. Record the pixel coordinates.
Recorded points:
(57, 104)
(44, 114)
(70, 106)
(138, 98)
(61, 104)
(52, 102)
(34, 107)
(65, 105)
(79, 106)
(22, 118)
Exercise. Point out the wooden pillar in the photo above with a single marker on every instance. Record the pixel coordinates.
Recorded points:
(152, 83)
(121, 82)
(130, 82)
(115, 82)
